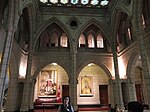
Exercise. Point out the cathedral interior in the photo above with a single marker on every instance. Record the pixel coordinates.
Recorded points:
(95, 51)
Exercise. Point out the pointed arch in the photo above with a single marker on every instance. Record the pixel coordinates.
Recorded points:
(46, 24)
(101, 65)
(132, 64)
(102, 26)
(82, 41)
(41, 66)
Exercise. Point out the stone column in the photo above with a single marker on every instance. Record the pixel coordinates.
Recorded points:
(31, 106)
(73, 81)
(145, 63)
(131, 90)
(118, 90)
(111, 92)
(27, 89)
(6, 50)
(12, 96)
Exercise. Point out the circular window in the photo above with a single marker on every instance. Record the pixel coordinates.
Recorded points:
(73, 24)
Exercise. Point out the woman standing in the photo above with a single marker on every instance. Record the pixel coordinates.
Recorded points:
(66, 106)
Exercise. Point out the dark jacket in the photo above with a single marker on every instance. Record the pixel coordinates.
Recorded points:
(64, 109)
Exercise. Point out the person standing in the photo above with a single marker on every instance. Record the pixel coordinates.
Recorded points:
(66, 106)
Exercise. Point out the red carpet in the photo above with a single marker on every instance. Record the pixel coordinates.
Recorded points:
(80, 109)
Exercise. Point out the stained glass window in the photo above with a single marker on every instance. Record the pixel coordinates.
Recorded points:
(64, 1)
(97, 3)
(54, 1)
(104, 2)
(74, 1)
(43, 1)
(84, 2)
(94, 2)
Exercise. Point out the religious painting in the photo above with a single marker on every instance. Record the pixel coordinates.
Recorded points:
(48, 83)
(86, 86)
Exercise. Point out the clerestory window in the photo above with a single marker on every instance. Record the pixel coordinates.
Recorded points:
(78, 3)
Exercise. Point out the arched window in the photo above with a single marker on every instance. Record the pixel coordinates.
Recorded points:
(91, 41)
(64, 40)
(100, 43)
(82, 41)
(54, 40)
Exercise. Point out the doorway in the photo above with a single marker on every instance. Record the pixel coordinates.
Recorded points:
(65, 90)
(103, 95)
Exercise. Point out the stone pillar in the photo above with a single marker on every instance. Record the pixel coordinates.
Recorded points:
(27, 89)
(12, 96)
(118, 90)
(6, 50)
(73, 82)
(111, 92)
(31, 106)
(145, 63)
(131, 90)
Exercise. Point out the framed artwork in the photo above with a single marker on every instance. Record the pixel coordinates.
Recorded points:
(86, 86)
(48, 83)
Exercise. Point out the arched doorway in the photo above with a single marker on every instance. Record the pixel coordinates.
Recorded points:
(51, 85)
(92, 86)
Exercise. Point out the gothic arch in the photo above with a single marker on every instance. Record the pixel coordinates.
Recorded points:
(98, 64)
(132, 64)
(115, 17)
(48, 23)
(35, 74)
(31, 13)
(103, 27)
